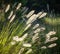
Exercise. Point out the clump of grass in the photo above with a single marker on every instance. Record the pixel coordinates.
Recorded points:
(21, 34)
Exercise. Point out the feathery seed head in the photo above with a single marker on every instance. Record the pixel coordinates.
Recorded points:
(7, 8)
(37, 25)
(11, 13)
(21, 51)
(12, 18)
(51, 33)
(19, 5)
(39, 14)
(24, 36)
(27, 45)
(48, 39)
(52, 45)
(32, 19)
(29, 51)
(35, 37)
(30, 13)
(15, 37)
(43, 47)
(21, 38)
(53, 39)
(43, 15)
(42, 28)
(28, 26)
(37, 30)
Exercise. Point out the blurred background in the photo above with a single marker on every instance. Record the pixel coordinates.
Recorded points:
(36, 4)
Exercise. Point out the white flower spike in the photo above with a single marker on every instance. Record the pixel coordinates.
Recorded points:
(37, 25)
(52, 45)
(37, 30)
(43, 15)
(11, 13)
(24, 36)
(35, 37)
(7, 8)
(53, 39)
(30, 13)
(28, 26)
(27, 45)
(15, 37)
(32, 19)
(29, 51)
(39, 14)
(19, 5)
(21, 51)
(43, 47)
(12, 18)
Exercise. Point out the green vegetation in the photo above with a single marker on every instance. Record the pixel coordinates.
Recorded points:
(22, 33)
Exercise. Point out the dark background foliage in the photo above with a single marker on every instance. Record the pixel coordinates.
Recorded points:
(36, 4)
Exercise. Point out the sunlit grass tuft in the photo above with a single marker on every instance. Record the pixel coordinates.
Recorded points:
(19, 34)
